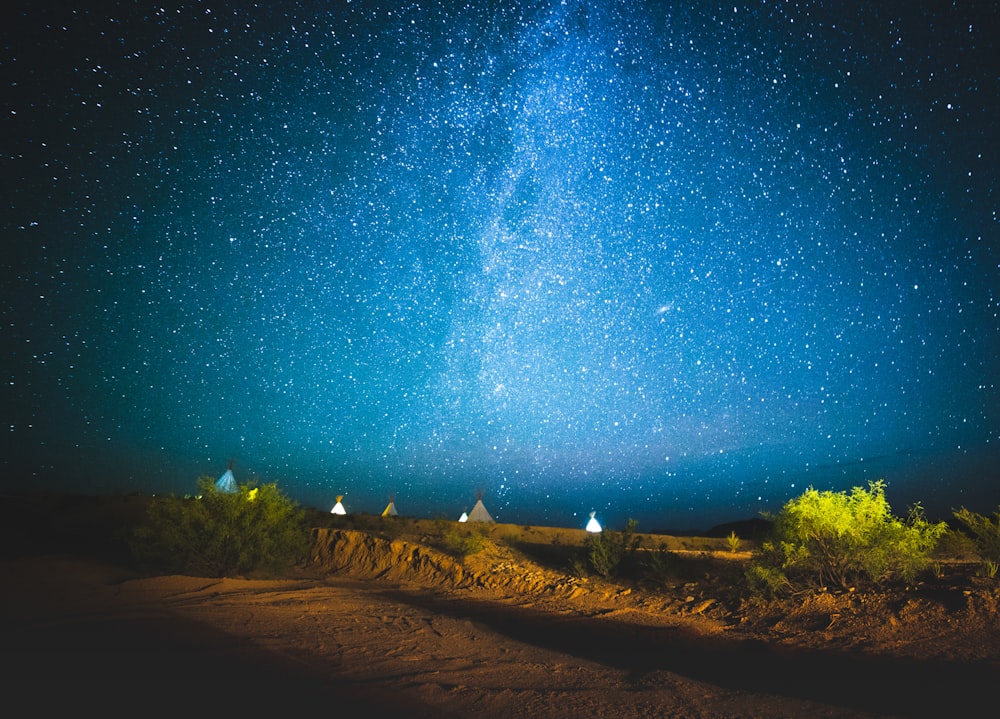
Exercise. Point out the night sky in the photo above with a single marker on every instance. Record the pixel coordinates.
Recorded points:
(650, 260)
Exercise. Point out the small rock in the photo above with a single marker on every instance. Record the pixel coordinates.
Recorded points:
(702, 606)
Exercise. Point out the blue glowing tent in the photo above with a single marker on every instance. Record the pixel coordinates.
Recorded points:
(227, 482)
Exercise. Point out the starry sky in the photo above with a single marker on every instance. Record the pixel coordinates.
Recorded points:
(661, 260)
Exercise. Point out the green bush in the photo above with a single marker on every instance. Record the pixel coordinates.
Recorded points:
(842, 539)
(985, 533)
(606, 550)
(465, 541)
(256, 528)
(766, 580)
(734, 542)
(957, 544)
(661, 565)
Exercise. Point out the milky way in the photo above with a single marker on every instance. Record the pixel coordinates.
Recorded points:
(656, 262)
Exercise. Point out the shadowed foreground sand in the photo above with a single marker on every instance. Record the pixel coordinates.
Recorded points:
(77, 635)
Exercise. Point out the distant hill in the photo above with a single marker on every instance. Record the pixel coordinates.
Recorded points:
(745, 529)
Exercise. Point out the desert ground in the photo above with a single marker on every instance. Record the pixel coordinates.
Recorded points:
(383, 619)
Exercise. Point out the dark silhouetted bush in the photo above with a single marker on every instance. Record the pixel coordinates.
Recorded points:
(255, 529)
(607, 549)
(985, 535)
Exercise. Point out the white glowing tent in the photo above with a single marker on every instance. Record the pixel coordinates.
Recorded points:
(479, 513)
(464, 517)
(390, 509)
(593, 525)
(338, 508)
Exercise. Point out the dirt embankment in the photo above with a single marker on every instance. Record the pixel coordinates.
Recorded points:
(951, 618)
(367, 556)
(493, 569)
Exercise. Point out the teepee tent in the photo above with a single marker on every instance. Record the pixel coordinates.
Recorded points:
(227, 482)
(338, 508)
(464, 517)
(593, 525)
(479, 513)
(390, 510)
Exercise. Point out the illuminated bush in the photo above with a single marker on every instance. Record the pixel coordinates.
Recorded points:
(734, 542)
(842, 539)
(464, 541)
(256, 528)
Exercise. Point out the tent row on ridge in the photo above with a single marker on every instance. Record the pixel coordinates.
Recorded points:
(478, 513)
(227, 483)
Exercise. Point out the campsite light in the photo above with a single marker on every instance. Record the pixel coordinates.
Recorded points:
(593, 525)
(338, 508)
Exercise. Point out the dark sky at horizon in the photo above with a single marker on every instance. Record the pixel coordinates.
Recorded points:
(657, 261)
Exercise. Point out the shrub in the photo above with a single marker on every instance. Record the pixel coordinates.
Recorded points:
(765, 580)
(985, 533)
(990, 568)
(606, 550)
(464, 542)
(956, 544)
(842, 539)
(256, 528)
(734, 542)
(661, 564)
